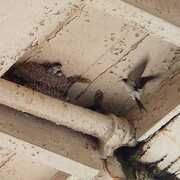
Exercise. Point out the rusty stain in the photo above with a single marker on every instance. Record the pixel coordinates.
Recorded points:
(162, 128)
(75, 12)
(31, 34)
(42, 22)
(87, 20)
(137, 34)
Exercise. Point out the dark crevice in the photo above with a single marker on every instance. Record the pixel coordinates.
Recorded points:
(135, 169)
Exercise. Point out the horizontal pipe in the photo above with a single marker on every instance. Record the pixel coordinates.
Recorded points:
(112, 131)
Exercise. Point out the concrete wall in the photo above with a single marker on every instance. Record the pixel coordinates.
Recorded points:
(166, 9)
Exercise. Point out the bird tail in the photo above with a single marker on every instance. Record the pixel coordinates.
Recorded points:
(140, 105)
(79, 78)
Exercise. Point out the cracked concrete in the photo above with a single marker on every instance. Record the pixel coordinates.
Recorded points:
(105, 54)
(28, 28)
(132, 48)
(167, 139)
(97, 40)
(16, 167)
(166, 9)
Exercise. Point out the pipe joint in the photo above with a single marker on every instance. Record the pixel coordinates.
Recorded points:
(123, 134)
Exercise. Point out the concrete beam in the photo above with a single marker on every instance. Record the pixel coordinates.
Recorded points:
(27, 26)
(153, 24)
(111, 131)
(96, 60)
(164, 101)
(48, 144)
(165, 9)
(165, 143)
(12, 166)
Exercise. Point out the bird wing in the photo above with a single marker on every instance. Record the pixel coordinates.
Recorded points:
(136, 73)
(140, 84)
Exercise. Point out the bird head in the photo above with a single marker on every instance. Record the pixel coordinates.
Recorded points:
(99, 96)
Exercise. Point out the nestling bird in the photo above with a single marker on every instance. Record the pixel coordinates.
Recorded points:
(47, 78)
(98, 102)
(54, 68)
(135, 82)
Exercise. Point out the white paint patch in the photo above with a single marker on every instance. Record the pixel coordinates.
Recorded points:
(160, 123)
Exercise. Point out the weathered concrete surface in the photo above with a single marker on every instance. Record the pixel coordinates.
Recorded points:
(154, 25)
(100, 44)
(162, 120)
(160, 103)
(166, 9)
(104, 47)
(101, 41)
(166, 142)
(111, 131)
(60, 176)
(26, 25)
(15, 166)
(48, 144)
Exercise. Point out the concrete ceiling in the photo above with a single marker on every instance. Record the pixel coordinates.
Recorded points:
(98, 42)
(104, 48)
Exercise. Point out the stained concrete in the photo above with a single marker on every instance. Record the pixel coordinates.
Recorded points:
(104, 49)
(98, 43)
(15, 166)
(168, 10)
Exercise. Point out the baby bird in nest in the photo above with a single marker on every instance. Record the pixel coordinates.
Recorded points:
(46, 78)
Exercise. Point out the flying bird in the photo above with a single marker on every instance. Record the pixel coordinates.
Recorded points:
(135, 82)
